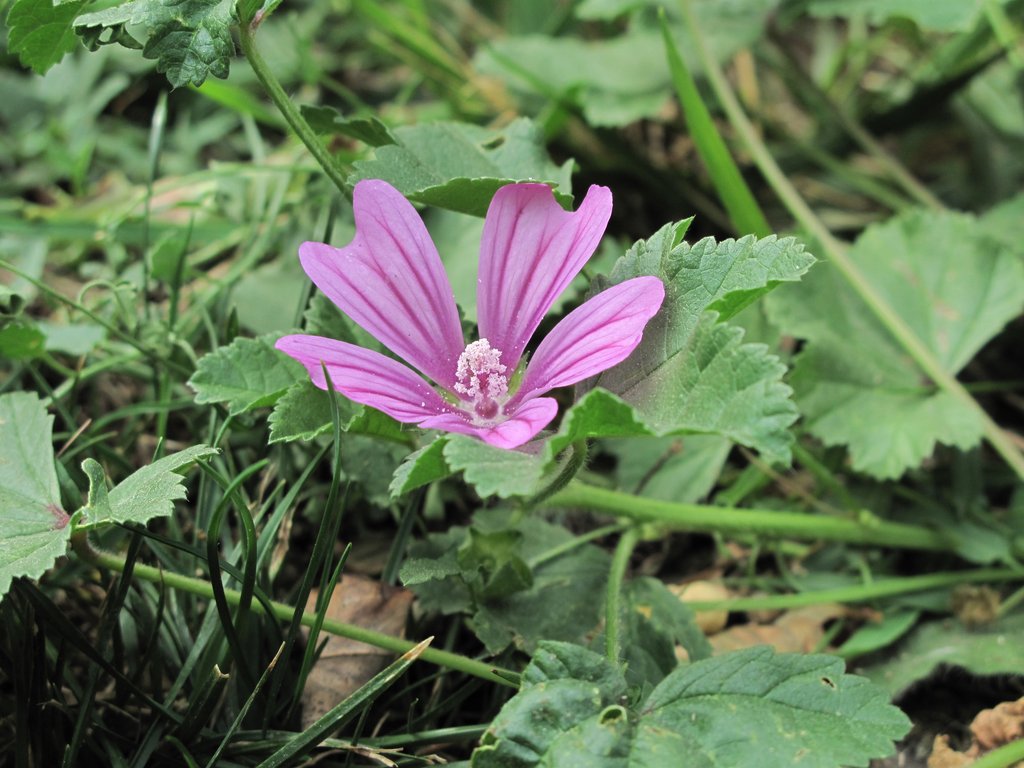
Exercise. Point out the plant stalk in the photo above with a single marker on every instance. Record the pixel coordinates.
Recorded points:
(865, 529)
(294, 118)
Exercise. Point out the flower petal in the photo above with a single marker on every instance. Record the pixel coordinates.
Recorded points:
(600, 333)
(366, 377)
(530, 251)
(390, 281)
(521, 427)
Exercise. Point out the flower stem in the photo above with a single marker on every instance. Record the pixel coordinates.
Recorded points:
(836, 251)
(334, 170)
(1004, 757)
(865, 529)
(616, 577)
(282, 612)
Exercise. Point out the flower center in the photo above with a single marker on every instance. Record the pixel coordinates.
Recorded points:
(480, 378)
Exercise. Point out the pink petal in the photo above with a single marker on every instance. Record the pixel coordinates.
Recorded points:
(390, 281)
(530, 251)
(598, 334)
(366, 377)
(522, 425)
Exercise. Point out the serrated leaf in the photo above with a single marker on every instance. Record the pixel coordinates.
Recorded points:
(952, 284)
(459, 166)
(246, 374)
(598, 413)
(692, 373)
(190, 39)
(146, 493)
(303, 412)
(41, 32)
(421, 468)
(792, 709)
(35, 527)
(493, 471)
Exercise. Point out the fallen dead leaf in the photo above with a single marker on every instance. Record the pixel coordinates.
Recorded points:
(344, 665)
(991, 729)
(798, 631)
(710, 622)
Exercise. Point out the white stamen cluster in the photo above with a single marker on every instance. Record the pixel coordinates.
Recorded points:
(480, 377)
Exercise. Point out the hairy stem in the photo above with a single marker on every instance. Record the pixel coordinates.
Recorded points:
(865, 529)
(283, 612)
(569, 471)
(837, 254)
(333, 169)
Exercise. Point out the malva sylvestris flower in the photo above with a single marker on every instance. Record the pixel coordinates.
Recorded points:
(390, 281)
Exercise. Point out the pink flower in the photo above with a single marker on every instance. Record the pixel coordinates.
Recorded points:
(390, 281)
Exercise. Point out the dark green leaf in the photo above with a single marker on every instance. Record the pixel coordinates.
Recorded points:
(246, 374)
(41, 32)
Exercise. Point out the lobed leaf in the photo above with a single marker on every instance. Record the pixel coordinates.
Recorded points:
(146, 493)
(952, 283)
(246, 374)
(41, 32)
(35, 528)
(751, 707)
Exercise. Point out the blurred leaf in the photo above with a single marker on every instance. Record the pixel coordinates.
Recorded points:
(370, 129)
(692, 373)
(493, 471)
(681, 469)
(74, 339)
(40, 32)
(146, 493)
(246, 374)
(875, 636)
(21, 339)
(35, 529)
(952, 284)
(959, 16)
(459, 166)
(791, 709)
(988, 650)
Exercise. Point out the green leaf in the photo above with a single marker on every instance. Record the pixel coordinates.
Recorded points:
(41, 32)
(35, 529)
(927, 14)
(681, 469)
(989, 650)
(74, 339)
(597, 414)
(493, 471)
(691, 372)
(190, 39)
(421, 468)
(952, 284)
(459, 166)
(146, 493)
(368, 129)
(21, 339)
(246, 374)
(522, 578)
(655, 621)
(304, 412)
(792, 710)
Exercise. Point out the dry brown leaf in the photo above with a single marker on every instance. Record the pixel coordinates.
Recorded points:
(710, 622)
(345, 665)
(798, 631)
(991, 729)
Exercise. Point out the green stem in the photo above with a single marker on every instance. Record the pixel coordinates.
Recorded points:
(616, 577)
(858, 593)
(866, 529)
(1004, 757)
(333, 169)
(283, 612)
(836, 251)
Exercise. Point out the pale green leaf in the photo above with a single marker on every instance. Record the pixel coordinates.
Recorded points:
(304, 412)
(246, 374)
(459, 166)
(792, 710)
(493, 471)
(421, 468)
(146, 493)
(692, 373)
(680, 469)
(41, 32)
(953, 285)
(368, 129)
(35, 527)
(958, 16)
